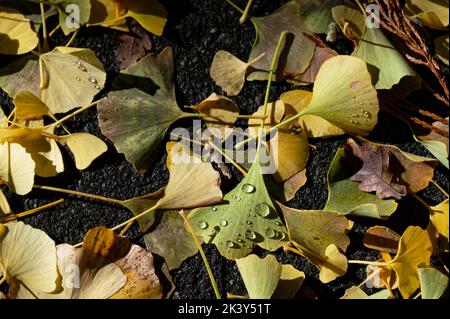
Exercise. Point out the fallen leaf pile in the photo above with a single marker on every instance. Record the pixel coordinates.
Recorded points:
(331, 95)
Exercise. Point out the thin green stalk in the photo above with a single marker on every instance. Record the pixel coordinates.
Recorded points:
(238, 116)
(80, 110)
(443, 191)
(235, 6)
(366, 262)
(125, 223)
(44, 26)
(72, 38)
(246, 11)
(420, 200)
(80, 194)
(202, 253)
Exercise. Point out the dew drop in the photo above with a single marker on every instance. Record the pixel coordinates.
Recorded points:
(78, 78)
(240, 241)
(354, 96)
(92, 79)
(354, 122)
(230, 244)
(262, 209)
(250, 234)
(248, 188)
(237, 199)
(283, 236)
(202, 224)
(214, 209)
(278, 223)
(124, 98)
(223, 222)
(355, 115)
(81, 67)
(98, 87)
(271, 233)
(249, 222)
(214, 232)
(238, 235)
(362, 103)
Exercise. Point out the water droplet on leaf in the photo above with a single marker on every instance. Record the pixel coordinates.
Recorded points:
(262, 209)
(248, 188)
(202, 224)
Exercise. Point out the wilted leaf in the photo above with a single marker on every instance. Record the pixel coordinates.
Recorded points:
(134, 45)
(433, 283)
(27, 259)
(432, 13)
(16, 35)
(84, 147)
(81, 69)
(386, 65)
(441, 48)
(137, 115)
(298, 49)
(16, 168)
(344, 96)
(229, 72)
(388, 171)
(246, 218)
(382, 239)
(142, 281)
(321, 235)
(344, 196)
(314, 125)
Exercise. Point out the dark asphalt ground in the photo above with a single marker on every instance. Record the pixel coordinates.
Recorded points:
(196, 29)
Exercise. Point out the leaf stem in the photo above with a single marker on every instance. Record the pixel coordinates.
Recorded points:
(8, 218)
(420, 200)
(238, 116)
(84, 108)
(54, 30)
(72, 38)
(136, 217)
(440, 188)
(246, 11)
(367, 262)
(202, 253)
(44, 26)
(2, 280)
(80, 194)
(235, 6)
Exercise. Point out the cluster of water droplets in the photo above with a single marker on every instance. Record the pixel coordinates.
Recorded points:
(90, 78)
(362, 113)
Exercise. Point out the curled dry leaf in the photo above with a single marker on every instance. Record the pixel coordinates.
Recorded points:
(27, 260)
(388, 171)
(321, 236)
(229, 72)
(382, 239)
(344, 196)
(17, 36)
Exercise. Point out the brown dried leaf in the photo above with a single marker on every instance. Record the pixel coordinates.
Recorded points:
(134, 45)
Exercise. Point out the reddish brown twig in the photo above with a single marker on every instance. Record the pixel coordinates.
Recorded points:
(394, 20)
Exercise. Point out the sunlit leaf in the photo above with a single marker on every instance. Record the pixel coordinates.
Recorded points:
(433, 283)
(344, 196)
(16, 168)
(386, 65)
(5, 209)
(137, 115)
(16, 35)
(84, 147)
(19, 75)
(28, 260)
(357, 293)
(432, 13)
(29, 106)
(66, 8)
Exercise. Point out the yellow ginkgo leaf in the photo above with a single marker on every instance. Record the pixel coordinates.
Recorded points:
(82, 70)
(28, 260)
(229, 72)
(16, 168)
(16, 36)
(5, 209)
(29, 106)
(315, 126)
(106, 13)
(439, 217)
(149, 13)
(432, 13)
(85, 148)
(414, 249)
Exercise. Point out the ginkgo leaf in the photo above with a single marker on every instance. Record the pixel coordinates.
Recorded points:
(300, 49)
(137, 116)
(19, 75)
(314, 125)
(170, 239)
(245, 219)
(432, 13)
(229, 72)
(28, 260)
(344, 196)
(66, 7)
(29, 106)
(260, 276)
(381, 164)
(16, 36)
(290, 282)
(133, 46)
(414, 249)
(357, 293)
(142, 281)
(286, 190)
(5, 209)
(386, 65)
(31, 11)
(16, 168)
(382, 239)
(344, 96)
(81, 69)
(317, 14)
(433, 283)
(149, 13)
(222, 114)
(107, 13)
(84, 147)
(439, 216)
(320, 235)
(441, 48)
(439, 149)
(291, 143)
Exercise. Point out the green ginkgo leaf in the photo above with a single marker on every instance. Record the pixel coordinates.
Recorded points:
(138, 114)
(433, 283)
(246, 218)
(317, 14)
(300, 49)
(67, 9)
(344, 96)
(344, 196)
(386, 65)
